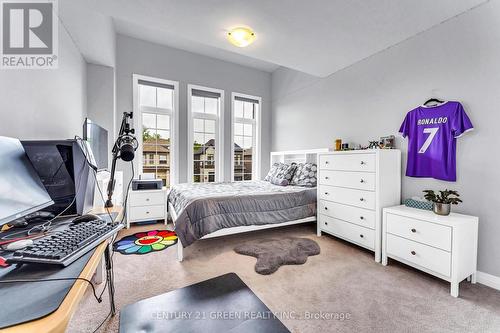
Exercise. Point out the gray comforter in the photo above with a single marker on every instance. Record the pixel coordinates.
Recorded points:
(207, 207)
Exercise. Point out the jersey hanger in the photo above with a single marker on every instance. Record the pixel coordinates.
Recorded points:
(433, 100)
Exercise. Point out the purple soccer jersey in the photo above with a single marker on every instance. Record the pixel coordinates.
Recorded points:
(432, 133)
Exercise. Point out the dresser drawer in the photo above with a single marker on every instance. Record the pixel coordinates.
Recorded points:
(147, 212)
(429, 257)
(348, 231)
(358, 198)
(420, 231)
(359, 216)
(348, 162)
(357, 180)
(147, 198)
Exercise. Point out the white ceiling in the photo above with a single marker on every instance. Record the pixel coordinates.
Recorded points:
(318, 37)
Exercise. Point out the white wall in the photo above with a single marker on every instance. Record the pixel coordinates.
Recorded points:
(135, 56)
(101, 99)
(45, 104)
(458, 60)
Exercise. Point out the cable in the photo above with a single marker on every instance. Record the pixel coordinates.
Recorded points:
(94, 173)
(124, 205)
(102, 323)
(46, 225)
(98, 298)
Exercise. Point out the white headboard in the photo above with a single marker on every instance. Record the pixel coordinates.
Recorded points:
(297, 156)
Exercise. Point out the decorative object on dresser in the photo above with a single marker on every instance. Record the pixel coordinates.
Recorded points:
(442, 202)
(353, 188)
(444, 246)
(419, 203)
(388, 142)
(146, 205)
(374, 145)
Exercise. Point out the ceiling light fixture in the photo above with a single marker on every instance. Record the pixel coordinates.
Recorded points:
(241, 36)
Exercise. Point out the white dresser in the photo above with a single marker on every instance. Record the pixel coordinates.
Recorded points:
(353, 187)
(145, 205)
(444, 246)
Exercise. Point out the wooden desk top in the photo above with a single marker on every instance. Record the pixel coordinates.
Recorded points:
(58, 320)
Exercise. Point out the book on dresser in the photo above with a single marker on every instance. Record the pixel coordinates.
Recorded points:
(353, 188)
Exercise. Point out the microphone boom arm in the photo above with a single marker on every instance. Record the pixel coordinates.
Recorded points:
(125, 131)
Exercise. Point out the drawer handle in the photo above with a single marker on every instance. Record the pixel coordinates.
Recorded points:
(413, 252)
(326, 208)
(326, 193)
(413, 230)
(147, 212)
(361, 217)
(362, 162)
(326, 223)
(147, 199)
(362, 181)
(327, 178)
(361, 236)
(326, 162)
(361, 199)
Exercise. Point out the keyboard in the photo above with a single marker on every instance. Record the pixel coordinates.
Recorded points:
(65, 246)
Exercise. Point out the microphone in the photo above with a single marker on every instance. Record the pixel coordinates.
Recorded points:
(124, 148)
(127, 145)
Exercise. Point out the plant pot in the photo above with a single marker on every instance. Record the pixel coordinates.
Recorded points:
(441, 208)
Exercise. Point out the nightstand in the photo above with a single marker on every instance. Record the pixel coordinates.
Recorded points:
(145, 205)
(443, 246)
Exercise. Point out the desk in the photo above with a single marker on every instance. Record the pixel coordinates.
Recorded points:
(58, 320)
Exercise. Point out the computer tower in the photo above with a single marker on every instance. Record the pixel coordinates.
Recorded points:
(66, 174)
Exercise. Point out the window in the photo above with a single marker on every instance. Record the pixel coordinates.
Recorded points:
(205, 124)
(246, 131)
(156, 102)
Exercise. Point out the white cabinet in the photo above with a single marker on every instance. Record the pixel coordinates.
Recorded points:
(353, 187)
(444, 246)
(145, 205)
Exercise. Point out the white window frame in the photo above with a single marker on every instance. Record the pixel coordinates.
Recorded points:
(256, 159)
(219, 132)
(174, 123)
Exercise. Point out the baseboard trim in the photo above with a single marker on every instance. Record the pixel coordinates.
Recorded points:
(489, 280)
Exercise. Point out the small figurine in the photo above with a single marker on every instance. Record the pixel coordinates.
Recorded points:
(374, 145)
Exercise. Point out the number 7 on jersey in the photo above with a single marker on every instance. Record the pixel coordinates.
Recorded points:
(432, 131)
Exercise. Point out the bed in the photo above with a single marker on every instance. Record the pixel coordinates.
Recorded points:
(207, 210)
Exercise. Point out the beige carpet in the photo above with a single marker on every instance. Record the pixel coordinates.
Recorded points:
(343, 279)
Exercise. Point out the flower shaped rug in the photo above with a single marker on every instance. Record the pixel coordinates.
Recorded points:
(145, 242)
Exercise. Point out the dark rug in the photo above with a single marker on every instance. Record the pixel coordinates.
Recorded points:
(274, 252)
(218, 305)
(145, 242)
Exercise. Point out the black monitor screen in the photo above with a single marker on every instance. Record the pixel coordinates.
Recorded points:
(54, 165)
(21, 191)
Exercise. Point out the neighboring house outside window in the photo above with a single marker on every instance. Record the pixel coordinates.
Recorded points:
(205, 128)
(246, 137)
(156, 120)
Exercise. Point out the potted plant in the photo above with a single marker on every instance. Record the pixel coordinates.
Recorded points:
(442, 202)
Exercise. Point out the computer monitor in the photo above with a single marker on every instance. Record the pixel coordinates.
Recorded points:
(97, 138)
(66, 173)
(21, 190)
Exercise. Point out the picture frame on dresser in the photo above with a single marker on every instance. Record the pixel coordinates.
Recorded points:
(353, 188)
